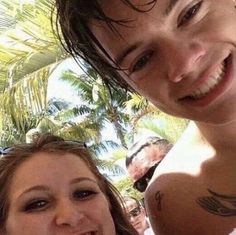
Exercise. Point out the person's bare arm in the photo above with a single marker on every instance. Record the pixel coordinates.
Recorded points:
(171, 209)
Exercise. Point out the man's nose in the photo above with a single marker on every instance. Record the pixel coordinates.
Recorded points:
(67, 213)
(132, 219)
(180, 58)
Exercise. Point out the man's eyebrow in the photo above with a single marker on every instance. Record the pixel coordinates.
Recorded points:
(170, 7)
(120, 58)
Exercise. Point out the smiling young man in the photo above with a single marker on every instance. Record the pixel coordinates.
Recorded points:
(181, 56)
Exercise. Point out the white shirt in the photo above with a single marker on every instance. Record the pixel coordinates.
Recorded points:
(148, 231)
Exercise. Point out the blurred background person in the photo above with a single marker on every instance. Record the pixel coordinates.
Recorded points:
(137, 216)
(143, 158)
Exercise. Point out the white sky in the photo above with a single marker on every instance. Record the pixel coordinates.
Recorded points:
(60, 89)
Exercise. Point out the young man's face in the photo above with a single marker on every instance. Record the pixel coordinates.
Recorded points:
(180, 55)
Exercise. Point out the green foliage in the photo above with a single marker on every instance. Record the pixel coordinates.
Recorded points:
(98, 104)
(166, 126)
(145, 116)
(29, 53)
(125, 187)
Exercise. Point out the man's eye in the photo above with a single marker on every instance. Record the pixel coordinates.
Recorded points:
(83, 194)
(35, 205)
(189, 14)
(142, 62)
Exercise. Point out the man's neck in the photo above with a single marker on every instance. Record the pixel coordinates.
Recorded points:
(219, 136)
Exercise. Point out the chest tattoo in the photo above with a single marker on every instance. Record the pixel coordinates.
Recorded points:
(218, 204)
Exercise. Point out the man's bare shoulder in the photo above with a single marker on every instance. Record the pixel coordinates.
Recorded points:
(183, 206)
(187, 155)
(186, 196)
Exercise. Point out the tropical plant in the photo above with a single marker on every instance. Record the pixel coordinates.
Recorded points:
(145, 116)
(125, 187)
(99, 104)
(29, 53)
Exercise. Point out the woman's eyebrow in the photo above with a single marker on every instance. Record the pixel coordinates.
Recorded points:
(35, 188)
(45, 188)
(81, 179)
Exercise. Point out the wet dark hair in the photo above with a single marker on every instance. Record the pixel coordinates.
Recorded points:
(72, 20)
(18, 154)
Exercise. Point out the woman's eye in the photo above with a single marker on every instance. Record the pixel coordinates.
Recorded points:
(83, 194)
(142, 62)
(35, 205)
(189, 14)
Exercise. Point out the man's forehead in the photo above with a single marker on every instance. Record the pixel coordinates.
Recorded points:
(142, 160)
(118, 15)
(140, 157)
(142, 151)
(110, 8)
(125, 22)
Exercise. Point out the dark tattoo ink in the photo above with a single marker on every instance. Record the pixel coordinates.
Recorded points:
(219, 204)
(158, 198)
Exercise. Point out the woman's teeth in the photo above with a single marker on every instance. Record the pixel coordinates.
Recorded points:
(210, 84)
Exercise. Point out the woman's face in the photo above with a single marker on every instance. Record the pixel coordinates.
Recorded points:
(181, 55)
(57, 195)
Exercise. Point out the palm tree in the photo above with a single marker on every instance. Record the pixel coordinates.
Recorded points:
(29, 53)
(99, 104)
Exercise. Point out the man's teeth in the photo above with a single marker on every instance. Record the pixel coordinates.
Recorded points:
(210, 84)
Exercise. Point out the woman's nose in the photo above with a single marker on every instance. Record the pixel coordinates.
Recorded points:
(69, 214)
(181, 58)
